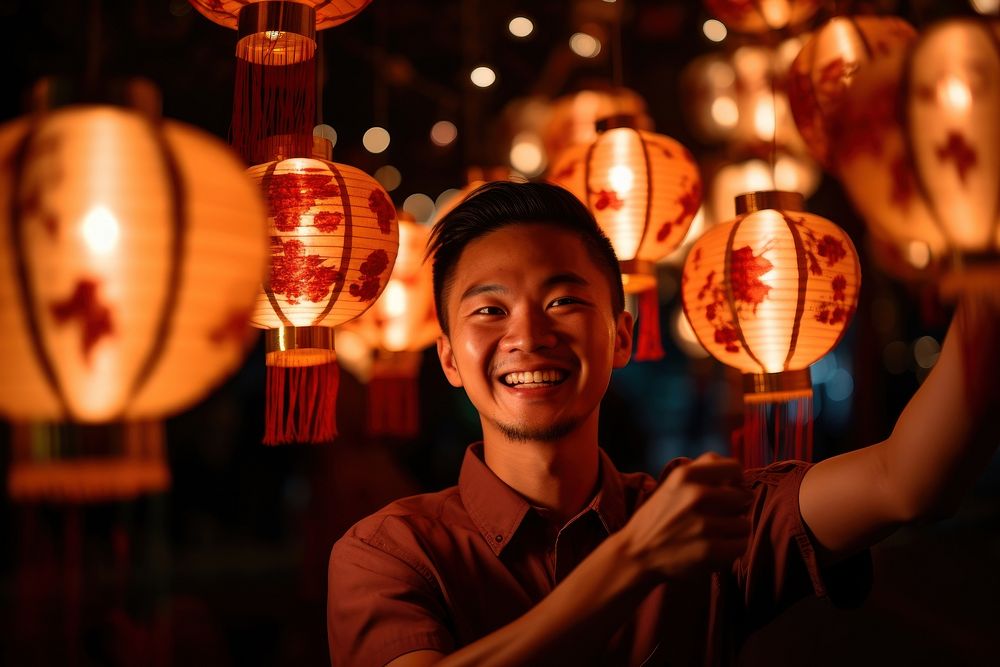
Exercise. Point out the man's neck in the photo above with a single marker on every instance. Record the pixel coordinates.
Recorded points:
(560, 476)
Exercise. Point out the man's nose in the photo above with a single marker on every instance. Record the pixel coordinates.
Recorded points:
(530, 329)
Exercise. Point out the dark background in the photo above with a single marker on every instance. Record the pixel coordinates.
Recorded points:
(229, 566)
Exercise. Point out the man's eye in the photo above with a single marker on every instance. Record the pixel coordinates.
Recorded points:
(565, 301)
(488, 310)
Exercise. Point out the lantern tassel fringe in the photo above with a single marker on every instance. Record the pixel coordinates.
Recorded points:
(775, 432)
(301, 404)
(649, 346)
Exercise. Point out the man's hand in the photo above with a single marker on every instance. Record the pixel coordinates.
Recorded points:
(695, 522)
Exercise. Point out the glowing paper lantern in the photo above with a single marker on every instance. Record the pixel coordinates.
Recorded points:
(825, 68)
(276, 87)
(761, 16)
(769, 293)
(644, 190)
(926, 174)
(129, 259)
(334, 239)
(399, 325)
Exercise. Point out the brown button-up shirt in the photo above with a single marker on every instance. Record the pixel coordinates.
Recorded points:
(440, 570)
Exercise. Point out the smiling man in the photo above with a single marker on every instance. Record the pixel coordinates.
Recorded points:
(544, 553)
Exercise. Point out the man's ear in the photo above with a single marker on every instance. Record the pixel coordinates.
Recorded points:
(623, 339)
(447, 358)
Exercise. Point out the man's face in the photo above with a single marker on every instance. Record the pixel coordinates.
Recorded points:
(532, 337)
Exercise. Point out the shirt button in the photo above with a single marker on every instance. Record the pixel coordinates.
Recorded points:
(499, 538)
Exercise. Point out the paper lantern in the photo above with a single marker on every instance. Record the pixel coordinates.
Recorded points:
(75, 463)
(762, 16)
(740, 97)
(918, 151)
(825, 68)
(396, 329)
(275, 83)
(130, 255)
(334, 239)
(769, 293)
(644, 190)
(328, 13)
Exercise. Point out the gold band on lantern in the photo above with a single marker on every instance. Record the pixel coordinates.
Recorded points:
(776, 387)
(638, 275)
(783, 200)
(291, 346)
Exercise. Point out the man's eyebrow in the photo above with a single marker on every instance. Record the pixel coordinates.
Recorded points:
(567, 278)
(482, 288)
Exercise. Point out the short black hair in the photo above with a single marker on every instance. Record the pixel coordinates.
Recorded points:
(502, 203)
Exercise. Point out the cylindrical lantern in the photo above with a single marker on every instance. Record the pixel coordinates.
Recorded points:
(334, 239)
(770, 293)
(825, 68)
(130, 254)
(926, 175)
(762, 16)
(644, 190)
(396, 329)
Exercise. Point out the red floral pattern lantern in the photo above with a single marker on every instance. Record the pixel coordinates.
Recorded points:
(769, 293)
(762, 16)
(334, 239)
(644, 190)
(925, 175)
(823, 72)
(130, 254)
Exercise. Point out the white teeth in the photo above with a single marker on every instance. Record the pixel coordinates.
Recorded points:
(534, 377)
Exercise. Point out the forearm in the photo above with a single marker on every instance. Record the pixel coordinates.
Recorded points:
(949, 430)
(574, 622)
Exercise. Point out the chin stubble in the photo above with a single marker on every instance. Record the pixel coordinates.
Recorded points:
(548, 433)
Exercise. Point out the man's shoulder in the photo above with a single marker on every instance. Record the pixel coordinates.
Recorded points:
(408, 523)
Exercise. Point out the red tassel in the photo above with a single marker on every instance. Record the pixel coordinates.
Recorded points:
(648, 345)
(301, 404)
(273, 98)
(775, 431)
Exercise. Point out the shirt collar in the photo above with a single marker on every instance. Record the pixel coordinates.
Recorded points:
(498, 510)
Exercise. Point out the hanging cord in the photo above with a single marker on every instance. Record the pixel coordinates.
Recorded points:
(92, 65)
(617, 71)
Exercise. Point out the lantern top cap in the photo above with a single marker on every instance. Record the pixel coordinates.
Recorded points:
(749, 202)
(273, 17)
(617, 120)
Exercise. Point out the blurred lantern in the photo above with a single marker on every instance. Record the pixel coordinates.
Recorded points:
(770, 293)
(275, 66)
(522, 123)
(474, 178)
(732, 175)
(76, 463)
(740, 97)
(762, 16)
(399, 325)
(644, 190)
(823, 72)
(925, 174)
(334, 239)
(131, 249)
(573, 119)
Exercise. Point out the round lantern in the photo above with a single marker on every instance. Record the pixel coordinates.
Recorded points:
(761, 16)
(825, 68)
(130, 255)
(769, 293)
(644, 190)
(572, 119)
(918, 152)
(334, 239)
(396, 329)
(328, 13)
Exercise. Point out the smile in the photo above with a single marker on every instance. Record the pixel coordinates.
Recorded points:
(528, 379)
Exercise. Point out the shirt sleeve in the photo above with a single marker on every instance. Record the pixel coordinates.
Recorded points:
(381, 602)
(780, 564)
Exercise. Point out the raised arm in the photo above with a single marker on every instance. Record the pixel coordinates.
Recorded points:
(693, 523)
(941, 442)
